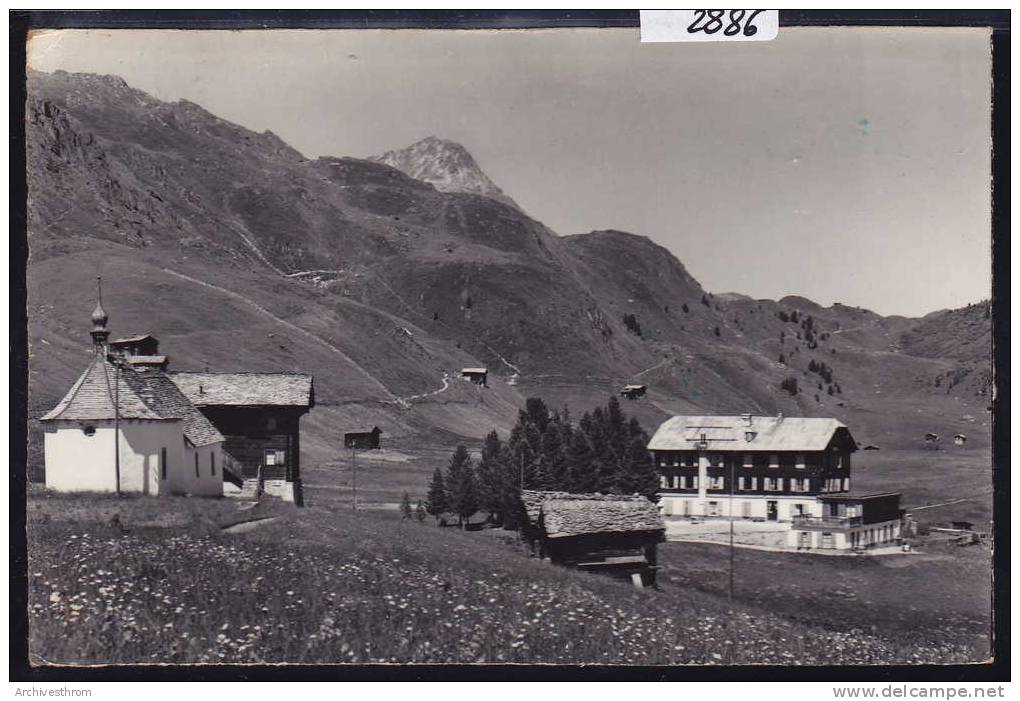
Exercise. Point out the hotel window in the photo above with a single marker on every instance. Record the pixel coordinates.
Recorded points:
(676, 481)
(846, 484)
(760, 460)
(676, 460)
(162, 463)
(748, 460)
(773, 461)
(773, 484)
(662, 461)
(275, 457)
(800, 462)
(715, 483)
(715, 459)
(663, 482)
(694, 482)
(787, 461)
(212, 463)
(754, 483)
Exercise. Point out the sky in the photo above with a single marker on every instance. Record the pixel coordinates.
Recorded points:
(846, 165)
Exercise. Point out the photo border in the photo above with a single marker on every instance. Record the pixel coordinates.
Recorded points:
(21, 22)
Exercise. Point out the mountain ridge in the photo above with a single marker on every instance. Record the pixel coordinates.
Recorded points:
(410, 282)
(446, 165)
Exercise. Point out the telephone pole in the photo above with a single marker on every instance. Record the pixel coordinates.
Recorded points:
(116, 423)
(354, 475)
(732, 462)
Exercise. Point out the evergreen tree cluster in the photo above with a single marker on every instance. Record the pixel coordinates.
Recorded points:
(790, 385)
(631, 322)
(822, 370)
(603, 452)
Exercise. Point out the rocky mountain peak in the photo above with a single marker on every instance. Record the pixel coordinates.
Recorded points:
(446, 165)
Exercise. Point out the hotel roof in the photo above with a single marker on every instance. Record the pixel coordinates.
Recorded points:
(738, 434)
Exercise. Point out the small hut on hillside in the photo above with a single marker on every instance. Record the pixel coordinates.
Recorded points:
(633, 391)
(611, 533)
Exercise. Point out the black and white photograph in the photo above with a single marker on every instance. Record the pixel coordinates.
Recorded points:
(485, 347)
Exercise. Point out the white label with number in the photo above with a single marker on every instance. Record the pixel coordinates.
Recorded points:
(709, 25)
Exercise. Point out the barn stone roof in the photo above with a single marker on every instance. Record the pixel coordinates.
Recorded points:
(246, 388)
(731, 433)
(146, 394)
(160, 393)
(561, 514)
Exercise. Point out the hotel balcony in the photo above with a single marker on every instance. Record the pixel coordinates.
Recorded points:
(827, 522)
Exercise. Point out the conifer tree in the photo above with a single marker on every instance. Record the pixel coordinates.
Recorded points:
(405, 506)
(491, 474)
(419, 511)
(461, 486)
(437, 501)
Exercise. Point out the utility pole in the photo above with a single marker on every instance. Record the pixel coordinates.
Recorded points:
(732, 463)
(354, 474)
(116, 423)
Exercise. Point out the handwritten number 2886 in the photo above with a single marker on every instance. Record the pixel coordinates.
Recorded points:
(711, 21)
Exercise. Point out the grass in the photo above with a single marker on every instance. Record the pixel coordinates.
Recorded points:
(163, 583)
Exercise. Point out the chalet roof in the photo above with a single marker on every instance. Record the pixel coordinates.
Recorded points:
(363, 431)
(141, 394)
(132, 339)
(728, 433)
(245, 388)
(562, 514)
(634, 387)
(146, 359)
(160, 393)
(474, 371)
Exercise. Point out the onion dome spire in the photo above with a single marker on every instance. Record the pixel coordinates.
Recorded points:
(99, 320)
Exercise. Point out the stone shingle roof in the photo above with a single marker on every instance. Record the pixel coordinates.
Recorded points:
(246, 388)
(160, 393)
(562, 514)
(730, 433)
(91, 397)
(141, 394)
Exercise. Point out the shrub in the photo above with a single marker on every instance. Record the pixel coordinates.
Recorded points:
(631, 322)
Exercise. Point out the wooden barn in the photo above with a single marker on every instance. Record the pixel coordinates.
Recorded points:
(259, 415)
(633, 391)
(608, 533)
(364, 439)
(478, 376)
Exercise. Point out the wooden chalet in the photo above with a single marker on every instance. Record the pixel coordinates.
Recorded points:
(609, 533)
(363, 440)
(258, 413)
(633, 391)
(478, 376)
